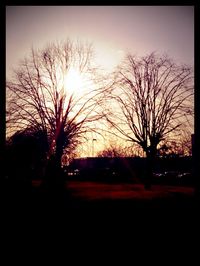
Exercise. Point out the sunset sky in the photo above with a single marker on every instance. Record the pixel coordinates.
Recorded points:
(113, 30)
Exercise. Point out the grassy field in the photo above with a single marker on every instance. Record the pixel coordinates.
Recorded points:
(112, 215)
(126, 191)
(120, 197)
(103, 209)
(100, 191)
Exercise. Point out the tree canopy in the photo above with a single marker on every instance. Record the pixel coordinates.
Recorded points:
(152, 97)
(38, 97)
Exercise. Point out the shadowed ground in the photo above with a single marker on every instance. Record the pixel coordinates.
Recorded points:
(103, 191)
(112, 214)
(85, 199)
(101, 196)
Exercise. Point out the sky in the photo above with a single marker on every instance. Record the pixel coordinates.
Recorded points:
(113, 30)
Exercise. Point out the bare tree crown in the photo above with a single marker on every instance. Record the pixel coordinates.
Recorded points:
(152, 97)
(36, 97)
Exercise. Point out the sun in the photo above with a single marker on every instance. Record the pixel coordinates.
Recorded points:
(73, 81)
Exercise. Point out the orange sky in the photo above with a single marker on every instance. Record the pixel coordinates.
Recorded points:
(113, 30)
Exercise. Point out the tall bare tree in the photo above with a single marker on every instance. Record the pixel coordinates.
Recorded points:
(37, 96)
(152, 97)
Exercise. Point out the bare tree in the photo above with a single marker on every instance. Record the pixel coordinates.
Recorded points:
(152, 97)
(37, 96)
(119, 150)
(111, 151)
(181, 146)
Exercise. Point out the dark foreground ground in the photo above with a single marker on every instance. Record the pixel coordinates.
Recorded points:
(86, 201)
(99, 217)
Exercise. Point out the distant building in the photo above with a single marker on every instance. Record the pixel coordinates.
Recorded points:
(128, 166)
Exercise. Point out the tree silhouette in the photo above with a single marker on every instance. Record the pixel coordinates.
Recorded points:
(111, 151)
(25, 156)
(181, 146)
(152, 97)
(37, 97)
(118, 150)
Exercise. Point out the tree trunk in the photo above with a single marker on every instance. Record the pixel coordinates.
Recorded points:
(54, 177)
(150, 162)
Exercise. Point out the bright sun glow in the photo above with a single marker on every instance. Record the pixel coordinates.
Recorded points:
(73, 81)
